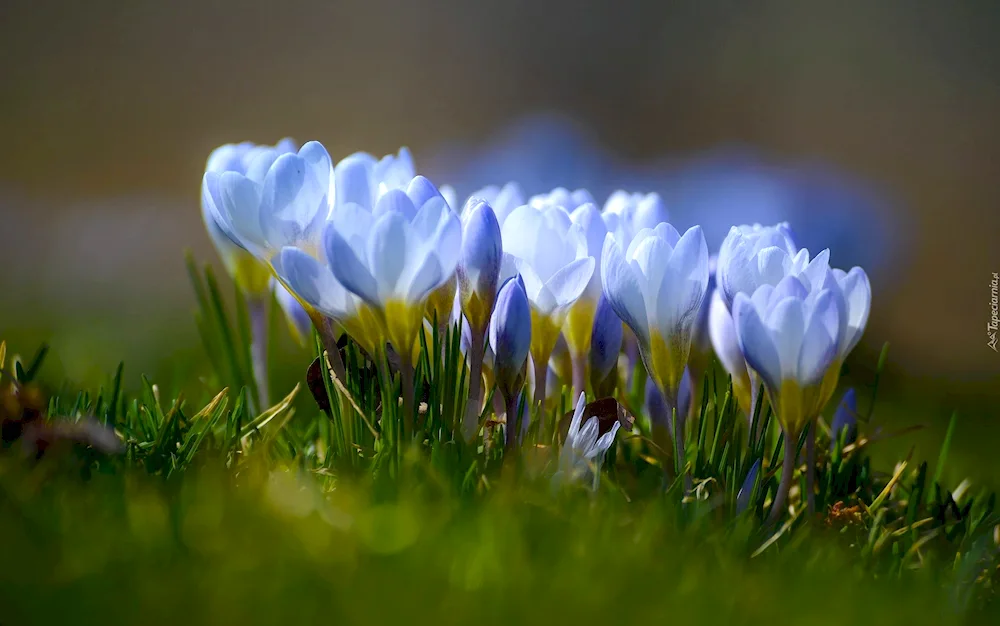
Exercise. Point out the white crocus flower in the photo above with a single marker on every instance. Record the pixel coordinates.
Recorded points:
(583, 452)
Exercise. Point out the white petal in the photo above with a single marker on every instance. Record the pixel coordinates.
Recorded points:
(568, 284)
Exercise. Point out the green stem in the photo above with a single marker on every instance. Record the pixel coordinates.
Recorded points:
(811, 467)
(406, 379)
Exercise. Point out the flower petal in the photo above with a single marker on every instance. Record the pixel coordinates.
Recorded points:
(312, 282)
(756, 342)
(389, 245)
(622, 290)
(568, 284)
(348, 267)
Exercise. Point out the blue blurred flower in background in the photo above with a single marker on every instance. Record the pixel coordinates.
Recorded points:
(716, 189)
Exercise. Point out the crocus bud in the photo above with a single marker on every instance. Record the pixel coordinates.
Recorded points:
(845, 419)
(479, 263)
(605, 342)
(510, 336)
(746, 490)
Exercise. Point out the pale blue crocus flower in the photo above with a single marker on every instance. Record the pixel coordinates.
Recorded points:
(625, 214)
(503, 200)
(249, 273)
(552, 257)
(561, 197)
(395, 256)
(478, 274)
(656, 286)
(579, 324)
(228, 163)
(755, 255)
(791, 337)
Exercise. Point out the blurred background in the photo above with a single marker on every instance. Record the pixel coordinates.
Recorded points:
(873, 127)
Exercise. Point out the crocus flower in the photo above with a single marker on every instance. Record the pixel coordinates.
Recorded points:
(790, 337)
(282, 200)
(249, 273)
(552, 258)
(605, 345)
(579, 324)
(656, 287)
(845, 420)
(583, 452)
(561, 197)
(231, 169)
(479, 263)
(361, 179)
(510, 340)
(478, 278)
(756, 255)
(625, 214)
(395, 256)
(503, 200)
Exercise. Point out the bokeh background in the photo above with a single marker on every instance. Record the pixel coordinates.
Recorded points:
(885, 114)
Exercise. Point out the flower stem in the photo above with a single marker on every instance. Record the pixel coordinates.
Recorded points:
(787, 469)
(678, 432)
(475, 402)
(811, 467)
(511, 426)
(541, 366)
(406, 380)
(257, 312)
(325, 328)
(579, 374)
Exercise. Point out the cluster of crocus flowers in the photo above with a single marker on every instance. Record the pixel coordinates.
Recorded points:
(367, 247)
